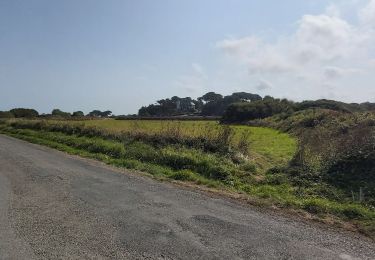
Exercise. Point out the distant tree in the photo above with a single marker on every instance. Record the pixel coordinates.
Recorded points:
(78, 114)
(59, 113)
(329, 104)
(95, 113)
(169, 107)
(213, 108)
(24, 112)
(243, 96)
(268, 98)
(210, 104)
(368, 106)
(144, 111)
(98, 113)
(106, 113)
(198, 105)
(245, 111)
(211, 97)
(216, 104)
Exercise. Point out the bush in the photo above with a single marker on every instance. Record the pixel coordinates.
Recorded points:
(184, 175)
(245, 111)
(248, 167)
(58, 113)
(353, 212)
(24, 112)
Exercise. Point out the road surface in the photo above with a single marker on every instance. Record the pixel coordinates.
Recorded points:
(56, 206)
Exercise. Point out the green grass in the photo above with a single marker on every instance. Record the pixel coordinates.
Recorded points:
(270, 147)
(277, 148)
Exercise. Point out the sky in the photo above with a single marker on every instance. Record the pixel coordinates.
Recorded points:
(122, 54)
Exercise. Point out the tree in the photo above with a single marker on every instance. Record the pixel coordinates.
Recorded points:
(95, 113)
(211, 97)
(169, 107)
(24, 112)
(106, 113)
(78, 114)
(144, 111)
(329, 104)
(216, 104)
(59, 113)
(98, 113)
(244, 111)
(210, 104)
(243, 96)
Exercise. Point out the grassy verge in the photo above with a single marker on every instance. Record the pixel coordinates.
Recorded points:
(266, 146)
(189, 164)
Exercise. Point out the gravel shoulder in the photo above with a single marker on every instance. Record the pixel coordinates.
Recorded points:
(55, 206)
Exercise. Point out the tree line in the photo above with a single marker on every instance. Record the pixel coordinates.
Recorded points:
(57, 113)
(242, 106)
(238, 107)
(210, 104)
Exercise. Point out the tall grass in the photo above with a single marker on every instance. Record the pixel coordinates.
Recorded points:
(217, 139)
(268, 146)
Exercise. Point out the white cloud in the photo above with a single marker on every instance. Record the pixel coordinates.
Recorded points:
(322, 38)
(259, 56)
(240, 48)
(263, 85)
(322, 48)
(318, 38)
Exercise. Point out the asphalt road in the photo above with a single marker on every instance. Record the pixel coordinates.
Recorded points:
(55, 206)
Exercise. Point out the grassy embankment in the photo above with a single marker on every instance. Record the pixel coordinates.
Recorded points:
(236, 158)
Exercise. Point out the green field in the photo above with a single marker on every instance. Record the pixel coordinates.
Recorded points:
(243, 151)
(268, 147)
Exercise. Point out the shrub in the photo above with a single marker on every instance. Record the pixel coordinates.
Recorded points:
(24, 112)
(184, 175)
(248, 167)
(245, 111)
(352, 211)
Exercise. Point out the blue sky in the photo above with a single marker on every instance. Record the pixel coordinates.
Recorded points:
(119, 55)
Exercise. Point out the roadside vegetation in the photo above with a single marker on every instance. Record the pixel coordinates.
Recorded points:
(335, 156)
(254, 161)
